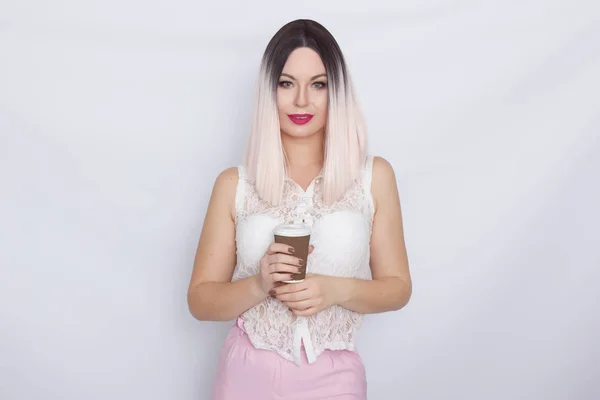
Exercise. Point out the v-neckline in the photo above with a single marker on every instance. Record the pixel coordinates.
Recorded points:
(311, 186)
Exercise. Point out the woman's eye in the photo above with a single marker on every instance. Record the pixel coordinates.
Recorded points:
(320, 85)
(285, 84)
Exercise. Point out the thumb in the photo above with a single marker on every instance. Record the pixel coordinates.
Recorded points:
(310, 248)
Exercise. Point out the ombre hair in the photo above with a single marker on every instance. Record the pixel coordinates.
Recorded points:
(345, 137)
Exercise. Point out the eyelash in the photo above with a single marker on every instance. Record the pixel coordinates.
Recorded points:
(322, 85)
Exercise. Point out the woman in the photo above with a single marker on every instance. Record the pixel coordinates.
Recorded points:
(306, 162)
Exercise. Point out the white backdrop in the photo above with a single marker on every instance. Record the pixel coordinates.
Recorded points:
(116, 117)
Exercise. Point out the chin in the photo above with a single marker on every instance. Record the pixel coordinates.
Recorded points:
(300, 131)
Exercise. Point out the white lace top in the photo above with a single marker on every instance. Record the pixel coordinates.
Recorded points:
(341, 235)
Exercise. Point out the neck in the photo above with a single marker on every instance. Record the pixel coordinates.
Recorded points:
(303, 152)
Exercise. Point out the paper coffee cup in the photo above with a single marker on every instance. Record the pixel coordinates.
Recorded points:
(298, 237)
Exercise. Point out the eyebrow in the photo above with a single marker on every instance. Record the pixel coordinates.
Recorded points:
(313, 78)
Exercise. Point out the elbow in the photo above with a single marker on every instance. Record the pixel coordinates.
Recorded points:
(403, 294)
(196, 306)
(203, 309)
(203, 312)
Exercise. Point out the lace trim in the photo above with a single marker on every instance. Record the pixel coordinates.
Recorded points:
(270, 325)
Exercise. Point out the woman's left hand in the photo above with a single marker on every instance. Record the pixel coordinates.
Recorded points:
(315, 293)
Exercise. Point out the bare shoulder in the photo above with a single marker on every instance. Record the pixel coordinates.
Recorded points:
(215, 255)
(225, 188)
(382, 169)
(228, 177)
(383, 186)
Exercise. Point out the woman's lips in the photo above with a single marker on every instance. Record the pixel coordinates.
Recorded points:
(300, 119)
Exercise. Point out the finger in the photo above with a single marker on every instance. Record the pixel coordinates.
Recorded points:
(302, 295)
(274, 268)
(278, 277)
(310, 248)
(300, 305)
(279, 248)
(285, 259)
(291, 288)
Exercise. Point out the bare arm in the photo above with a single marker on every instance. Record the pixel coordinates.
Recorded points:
(211, 294)
(391, 286)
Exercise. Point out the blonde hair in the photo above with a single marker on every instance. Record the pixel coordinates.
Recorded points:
(345, 134)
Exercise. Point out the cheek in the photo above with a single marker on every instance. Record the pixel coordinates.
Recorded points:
(321, 102)
(322, 106)
(283, 101)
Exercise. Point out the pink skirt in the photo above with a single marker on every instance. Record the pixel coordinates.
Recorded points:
(248, 373)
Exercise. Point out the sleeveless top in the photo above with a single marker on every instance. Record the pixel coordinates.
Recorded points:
(341, 235)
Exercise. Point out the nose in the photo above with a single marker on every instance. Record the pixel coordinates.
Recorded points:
(301, 99)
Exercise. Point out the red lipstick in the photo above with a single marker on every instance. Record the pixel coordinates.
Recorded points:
(300, 119)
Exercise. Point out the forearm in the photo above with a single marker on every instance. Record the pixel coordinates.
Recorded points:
(372, 296)
(224, 301)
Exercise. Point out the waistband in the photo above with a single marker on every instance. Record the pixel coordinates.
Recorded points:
(240, 324)
(302, 340)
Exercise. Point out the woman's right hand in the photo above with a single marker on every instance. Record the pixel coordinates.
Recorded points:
(277, 265)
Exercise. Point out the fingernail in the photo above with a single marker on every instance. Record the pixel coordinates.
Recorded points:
(301, 262)
(292, 250)
(271, 293)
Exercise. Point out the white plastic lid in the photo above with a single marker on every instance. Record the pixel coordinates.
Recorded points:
(291, 230)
